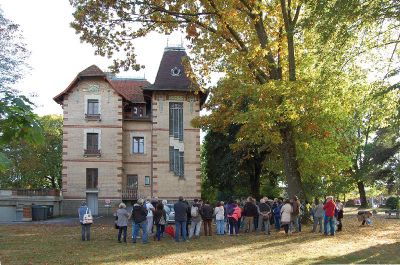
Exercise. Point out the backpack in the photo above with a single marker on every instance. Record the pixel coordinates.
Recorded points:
(230, 210)
(194, 211)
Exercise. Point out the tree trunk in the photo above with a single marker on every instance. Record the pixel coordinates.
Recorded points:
(255, 182)
(291, 165)
(363, 196)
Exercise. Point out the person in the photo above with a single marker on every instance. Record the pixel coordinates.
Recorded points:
(339, 207)
(329, 208)
(229, 208)
(180, 209)
(364, 217)
(264, 215)
(207, 216)
(286, 212)
(139, 221)
(219, 213)
(122, 221)
(234, 214)
(85, 228)
(160, 217)
(189, 217)
(318, 212)
(196, 219)
(154, 201)
(276, 210)
(150, 212)
(296, 214)
(249, 211)
(167, 210)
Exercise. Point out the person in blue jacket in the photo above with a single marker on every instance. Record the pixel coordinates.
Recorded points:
(276, 210)
(85, 231)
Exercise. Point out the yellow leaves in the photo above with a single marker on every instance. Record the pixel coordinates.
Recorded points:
(191, 31)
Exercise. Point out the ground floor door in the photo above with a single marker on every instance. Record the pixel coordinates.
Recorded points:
(7, 213)
(93, 203)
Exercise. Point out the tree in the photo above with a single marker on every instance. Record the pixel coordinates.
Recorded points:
(36, 164)
(302, 99)
(373, 29)
(249, 37)
(17, 120)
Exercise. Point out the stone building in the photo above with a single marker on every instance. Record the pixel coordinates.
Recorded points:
(126, 139)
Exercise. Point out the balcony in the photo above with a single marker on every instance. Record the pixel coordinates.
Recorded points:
(131, 117)
(130, 194)
(92, 152)
(93, 117)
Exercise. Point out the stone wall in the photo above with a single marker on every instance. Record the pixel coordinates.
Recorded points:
(109, 127)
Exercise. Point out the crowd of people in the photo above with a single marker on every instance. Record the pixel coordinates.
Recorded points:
(150, 218)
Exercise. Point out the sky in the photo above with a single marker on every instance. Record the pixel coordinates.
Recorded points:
(57, 54)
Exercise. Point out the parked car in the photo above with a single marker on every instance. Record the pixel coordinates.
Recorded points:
(169, 209)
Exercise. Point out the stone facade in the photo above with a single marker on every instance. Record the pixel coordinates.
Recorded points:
(122, 172)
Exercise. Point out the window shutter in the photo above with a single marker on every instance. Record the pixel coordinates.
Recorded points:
(176, 162)
(181, 164)
(171, 120)
(180, 125)
(171, 158)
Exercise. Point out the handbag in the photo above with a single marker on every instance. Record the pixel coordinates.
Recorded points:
(87, 217)
(162, 220)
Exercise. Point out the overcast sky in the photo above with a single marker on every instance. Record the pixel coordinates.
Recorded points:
(57, 55)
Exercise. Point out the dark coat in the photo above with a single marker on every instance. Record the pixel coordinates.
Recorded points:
(207, 212)
(250, 209)
(157, 215)
(181, 210)
(264, 207)
(139, 213)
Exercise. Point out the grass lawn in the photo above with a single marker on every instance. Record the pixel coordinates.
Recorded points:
(60, 244)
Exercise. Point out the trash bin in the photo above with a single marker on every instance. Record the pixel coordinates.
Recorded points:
(39, 212)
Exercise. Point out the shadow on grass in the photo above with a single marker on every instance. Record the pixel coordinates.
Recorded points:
(378, 254)
(60, 244)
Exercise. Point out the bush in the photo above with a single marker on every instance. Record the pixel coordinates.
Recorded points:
(393, 203)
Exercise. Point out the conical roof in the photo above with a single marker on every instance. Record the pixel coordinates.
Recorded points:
(171, 74)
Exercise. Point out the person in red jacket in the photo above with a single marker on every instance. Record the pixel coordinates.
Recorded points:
(329, 208)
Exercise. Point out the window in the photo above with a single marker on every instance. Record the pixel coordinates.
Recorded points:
(176, 161)
(93, 107)
(176, 120)
(138, 145)
(132, 181)
(92, 141)
(147, 181)
(91, 178)
(138, 110)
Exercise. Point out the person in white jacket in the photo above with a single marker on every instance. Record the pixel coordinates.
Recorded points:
(286, 211)
(219, 218)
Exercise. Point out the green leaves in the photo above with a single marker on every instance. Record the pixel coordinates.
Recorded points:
(17, 120)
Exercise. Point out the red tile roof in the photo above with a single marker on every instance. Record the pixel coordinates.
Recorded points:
(130, 89)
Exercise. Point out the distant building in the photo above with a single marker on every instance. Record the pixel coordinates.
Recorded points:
(126, 139)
